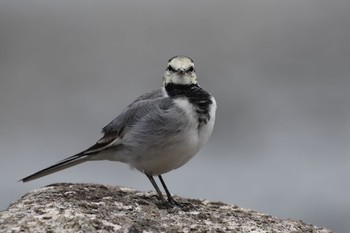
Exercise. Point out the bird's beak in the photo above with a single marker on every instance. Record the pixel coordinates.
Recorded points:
(181, 71)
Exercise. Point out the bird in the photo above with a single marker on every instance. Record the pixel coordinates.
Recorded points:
(158, 132)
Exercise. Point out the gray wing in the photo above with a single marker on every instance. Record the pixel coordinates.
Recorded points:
(141, 108)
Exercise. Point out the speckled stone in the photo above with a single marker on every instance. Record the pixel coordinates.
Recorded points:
(97, 208)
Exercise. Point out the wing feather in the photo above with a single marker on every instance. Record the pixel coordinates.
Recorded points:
(137, 110)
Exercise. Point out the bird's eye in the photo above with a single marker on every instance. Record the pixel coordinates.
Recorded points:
(191, 69)
(171, 69)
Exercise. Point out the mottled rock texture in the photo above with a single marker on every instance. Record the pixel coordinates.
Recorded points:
(98, 208)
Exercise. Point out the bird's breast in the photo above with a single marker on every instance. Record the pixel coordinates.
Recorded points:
(199, 130)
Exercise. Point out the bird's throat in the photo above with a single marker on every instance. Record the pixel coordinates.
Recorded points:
(200, 99)
(180, 90)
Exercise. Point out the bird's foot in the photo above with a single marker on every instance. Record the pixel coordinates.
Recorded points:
(185, 206)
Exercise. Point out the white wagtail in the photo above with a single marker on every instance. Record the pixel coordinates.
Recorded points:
(158, 132)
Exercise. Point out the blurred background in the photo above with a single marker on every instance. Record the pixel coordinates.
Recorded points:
(280, 72)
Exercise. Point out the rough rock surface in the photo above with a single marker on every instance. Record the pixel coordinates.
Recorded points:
(97, 208)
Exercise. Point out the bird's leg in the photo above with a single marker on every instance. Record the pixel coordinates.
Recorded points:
(168, 204)
(170, 198)
(184, 206)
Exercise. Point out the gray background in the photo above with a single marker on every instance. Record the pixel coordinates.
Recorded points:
(280, 71)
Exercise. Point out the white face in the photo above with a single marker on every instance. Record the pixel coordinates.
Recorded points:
(180, 70)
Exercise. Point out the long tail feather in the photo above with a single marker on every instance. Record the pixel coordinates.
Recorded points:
(63, 164)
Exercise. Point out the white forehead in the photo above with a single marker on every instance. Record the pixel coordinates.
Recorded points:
(181, 62)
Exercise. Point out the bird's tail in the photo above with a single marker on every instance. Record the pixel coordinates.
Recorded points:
(63, 164)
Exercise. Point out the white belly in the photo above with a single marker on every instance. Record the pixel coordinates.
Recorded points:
(192, 140)
(157, 159)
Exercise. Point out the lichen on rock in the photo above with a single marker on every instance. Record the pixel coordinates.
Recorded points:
(67, 207)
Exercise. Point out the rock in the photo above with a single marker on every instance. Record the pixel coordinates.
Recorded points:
(97, 208)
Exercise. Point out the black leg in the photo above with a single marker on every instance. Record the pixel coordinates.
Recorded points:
(170, 198)
(158, 191)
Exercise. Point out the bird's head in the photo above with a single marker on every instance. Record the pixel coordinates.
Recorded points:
(181, 71)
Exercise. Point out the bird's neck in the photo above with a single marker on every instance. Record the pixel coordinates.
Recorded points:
(180, 90)
(198, 97)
